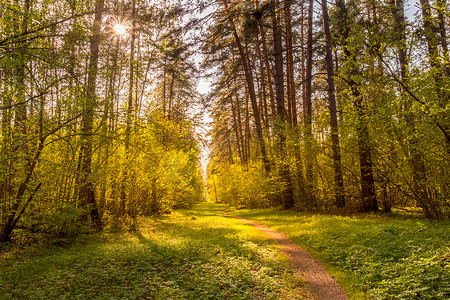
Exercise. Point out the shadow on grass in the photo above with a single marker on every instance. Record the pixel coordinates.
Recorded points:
(193, 256)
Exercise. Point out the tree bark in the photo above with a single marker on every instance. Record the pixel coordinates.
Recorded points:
(279, 76)
(267, 70)
(335, 145)
(237, 129)
(164, 88)
(441, 8)
(307, 98)
(262, 91)
(247, 128)
(290, 82)
(86, 192)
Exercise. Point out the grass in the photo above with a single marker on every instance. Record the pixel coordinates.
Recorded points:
(191, 254)
(373, 256)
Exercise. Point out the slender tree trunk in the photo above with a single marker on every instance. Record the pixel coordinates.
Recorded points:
(15, 213)
(239, 124)
(20, 122)
(247, 128)
(279, 76)
(86, 191)
(302, 50)
(263, 90)
(251, 89)
(5, 149)
(106, 123)
(267, 70)
(129, 116)
(236, 129)
(307, 98)
(368, 194)
(172, 81)
(288, 198)
(441, 9)
(290, 64)
(5, 155)
(164, 89)
(20, 204)
(335, 145)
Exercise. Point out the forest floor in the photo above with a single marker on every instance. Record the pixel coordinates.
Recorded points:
(319, 281)
(373, 256)
(189, 254)
(202, 254)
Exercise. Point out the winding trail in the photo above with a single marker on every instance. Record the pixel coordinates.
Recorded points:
(320, 283)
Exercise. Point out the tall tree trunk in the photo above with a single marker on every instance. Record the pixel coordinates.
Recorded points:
(86, 192)
(263, 99)
(237, 129)
(368, 194)
(288, 198)
(251, 88)
(290, 82)
(164, 88)
(105, 124)
(441, 9)
(239, 124)
(268, 72)
(302, 50)
(247, 128)
(129, 116)
(279, 76)
(307, 98)
(19, 205)
(20, 122)
(169, 108)
(337, 164)
(5, 152)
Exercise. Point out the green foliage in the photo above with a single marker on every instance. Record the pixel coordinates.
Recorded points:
(244, 185)
(56, 137)
(386, 257)
(194, 254)
(63, 222)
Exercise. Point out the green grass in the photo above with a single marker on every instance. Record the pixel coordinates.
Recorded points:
(373, 256)
(192, 254)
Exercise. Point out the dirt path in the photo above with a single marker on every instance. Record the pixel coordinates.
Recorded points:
(319, 281)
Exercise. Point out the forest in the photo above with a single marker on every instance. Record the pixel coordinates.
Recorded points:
(321, 106)
(129, 116)
(99, 114)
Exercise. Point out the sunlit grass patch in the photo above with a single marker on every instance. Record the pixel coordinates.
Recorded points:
(386, 257)
(192, 254)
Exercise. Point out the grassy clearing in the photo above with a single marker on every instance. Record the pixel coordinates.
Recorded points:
(383, 257)
(195, 254)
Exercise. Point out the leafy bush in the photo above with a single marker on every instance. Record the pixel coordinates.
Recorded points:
(247, 186)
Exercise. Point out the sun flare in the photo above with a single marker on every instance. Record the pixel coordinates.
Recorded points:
(120, 29)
